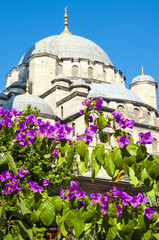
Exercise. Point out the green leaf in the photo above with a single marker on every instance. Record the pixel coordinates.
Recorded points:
(112, 232)
(47, 214)
(133, 179)
(70, 218)
(132, 149)
(156, 235)
(152, 164)
(95, 165)
(79, 224)
(47, 155)
(9, 237)
(101, 122)
(117, 157)
(25, 229)
(23, 207)
(57, 202)
(2, 222)
(9, 159)
(64, 146)
(112, 210)
(61, 158)
(3, 164)
(88, 215)
(82, 167)
(109, 165)
(35, 216)
(80, 147)
(99, 152)
(70, 156)
(143, 223)
(61, 225)
(141, 153)
(103, 137)
(86, 115)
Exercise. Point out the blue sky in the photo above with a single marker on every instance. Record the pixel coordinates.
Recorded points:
(128, 31)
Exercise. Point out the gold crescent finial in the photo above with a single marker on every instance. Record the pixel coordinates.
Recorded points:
(65, 32)
(142, 69)
(27, 87)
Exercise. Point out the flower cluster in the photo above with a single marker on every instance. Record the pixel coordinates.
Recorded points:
(123, 122)
(145, 138)
(73, 192)
(12, 182)
(120, 198)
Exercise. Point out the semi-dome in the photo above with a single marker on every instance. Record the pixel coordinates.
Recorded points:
(3, 96)
(143, 78)
(20, 102)
(18, 84)
(113, 92)
(68, 46)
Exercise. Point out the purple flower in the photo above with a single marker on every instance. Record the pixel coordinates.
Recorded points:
(119, 210)
(73, 185)
(79, 137)
(68, 129)
(99, 103)
(117, 115)
(80, 205)
(46, 183)
(145, 138)
(149, 211)
(22, 172)
(115, 192)
(81, 111)
(90, 119)
(134, 202)
(69, 196)
(96, 197)
(32, 133)
(35, 186)
(104, 201)
(7, 122)
(62, 192)
(125, 199)
(55, 153)
(79, 194)
(123, 141)
(4, 176)
(141, 198)
(87, 102)
(88, 140)
(104, 210)
(22, 126)
(93, 128)
(124, 123)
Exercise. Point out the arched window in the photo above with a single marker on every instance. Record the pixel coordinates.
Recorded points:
(74, 71)
(61, 111)
(154, 146)
(59, 69)
(73, 126)
(104, 74)
(90, 72)
(136, 113)
(120, 109)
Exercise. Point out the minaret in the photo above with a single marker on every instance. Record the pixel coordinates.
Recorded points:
(65, 32)
(144, 86)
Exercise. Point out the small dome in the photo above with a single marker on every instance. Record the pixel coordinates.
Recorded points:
(20, 103)
(68, 46)
(111, 91)
(143, 78)
(3, 96)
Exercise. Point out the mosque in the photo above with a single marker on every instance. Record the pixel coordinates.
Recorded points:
(65, 69)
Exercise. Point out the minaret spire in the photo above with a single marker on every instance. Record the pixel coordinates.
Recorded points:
(65, 32)
(142, 69)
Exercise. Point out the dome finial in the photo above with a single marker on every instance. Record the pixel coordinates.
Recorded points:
(27, 87)
(65, 32)
(142, 69)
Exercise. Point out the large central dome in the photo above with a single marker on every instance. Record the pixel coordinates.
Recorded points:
(68, 46)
